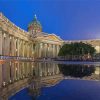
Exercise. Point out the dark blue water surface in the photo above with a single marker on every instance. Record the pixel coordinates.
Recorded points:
(66, 90)
(22, 95)
(72, 90)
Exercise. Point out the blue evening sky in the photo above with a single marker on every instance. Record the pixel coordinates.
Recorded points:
(69, 19)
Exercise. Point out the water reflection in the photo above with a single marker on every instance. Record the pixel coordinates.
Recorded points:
(80, 71)
(45, 74)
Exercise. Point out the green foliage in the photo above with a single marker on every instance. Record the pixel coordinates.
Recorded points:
(76, 49)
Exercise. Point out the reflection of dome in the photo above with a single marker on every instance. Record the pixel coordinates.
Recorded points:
(35, 25)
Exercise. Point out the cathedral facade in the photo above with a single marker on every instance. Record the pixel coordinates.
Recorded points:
(18, 43)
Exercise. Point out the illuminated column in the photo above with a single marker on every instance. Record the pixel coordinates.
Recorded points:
(23, 48)
(13, 46)
(10, 46)
(18, 45)
(1, 42)
(30, 50)
(39, 50)
(53, 50)
(57, 49)
(45, 50)
(20, 48)
(7, 41)
(33, 50)
(50, 50)
(5, 35)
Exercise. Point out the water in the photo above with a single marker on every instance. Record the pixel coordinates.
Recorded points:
(63, 81)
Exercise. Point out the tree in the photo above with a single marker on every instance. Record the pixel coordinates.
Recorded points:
(76, 49)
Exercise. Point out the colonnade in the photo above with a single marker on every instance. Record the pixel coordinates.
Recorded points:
(47, 50)
(14, 46)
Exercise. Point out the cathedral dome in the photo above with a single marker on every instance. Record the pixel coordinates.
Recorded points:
(35, 25)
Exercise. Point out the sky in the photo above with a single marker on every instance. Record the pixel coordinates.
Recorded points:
(69, 19)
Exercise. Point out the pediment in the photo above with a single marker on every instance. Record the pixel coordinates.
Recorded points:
(53, 37)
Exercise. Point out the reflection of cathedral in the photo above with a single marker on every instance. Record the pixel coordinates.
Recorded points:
(48, 73)
(34, 43)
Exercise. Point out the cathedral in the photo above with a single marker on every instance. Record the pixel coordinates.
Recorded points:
(17, 43)
(31, 44)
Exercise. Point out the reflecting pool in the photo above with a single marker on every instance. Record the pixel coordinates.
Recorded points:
(56, 81)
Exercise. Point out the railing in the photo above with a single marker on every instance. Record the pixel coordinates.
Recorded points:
(15, 58)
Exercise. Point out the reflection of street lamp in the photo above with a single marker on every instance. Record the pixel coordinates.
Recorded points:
(99, 51)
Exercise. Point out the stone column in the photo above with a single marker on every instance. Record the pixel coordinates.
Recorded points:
(23, 48)
(7, 40)
(37, 50)
(53, 50)
(57, 49)
(1, 42)
(45, 50)
(20, 50)
(30, 50)
(18, 46)
(40, 49)
(13, 46)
